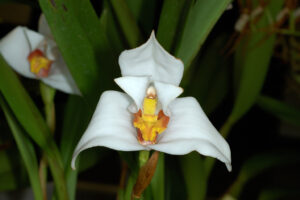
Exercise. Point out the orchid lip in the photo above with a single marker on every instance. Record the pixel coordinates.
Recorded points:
(150, 121)
(40, 65)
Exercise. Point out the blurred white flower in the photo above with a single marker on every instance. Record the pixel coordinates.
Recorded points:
(36, 55)
(149, 115)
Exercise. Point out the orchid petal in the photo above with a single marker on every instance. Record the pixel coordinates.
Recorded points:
(111, 126)
(49, 47)
(150, 59)
(44, 28)
(166, 94)
(189, 130)
(60, 77)
(16, 46)
(135, 87)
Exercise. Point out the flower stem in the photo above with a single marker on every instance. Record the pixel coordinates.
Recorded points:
(143, 157)
(47, 94)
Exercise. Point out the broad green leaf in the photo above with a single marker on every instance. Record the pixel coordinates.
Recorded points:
(26, 150)
(259, 164)
(127, 22)
(31, 120)
(22, 105)
(158, 181)
(200, 20)
(252, 58)
(280, 109)
(83, 44)
(195, 178)
(168, 22)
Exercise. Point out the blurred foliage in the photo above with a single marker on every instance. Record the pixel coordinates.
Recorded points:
(234, 58)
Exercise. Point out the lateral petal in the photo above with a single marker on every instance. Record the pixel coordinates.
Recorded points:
(135, 87)
(189, 130)
(44, 28)
(111, 126)
(166, 94)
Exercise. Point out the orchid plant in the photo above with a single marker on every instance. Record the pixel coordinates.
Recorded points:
(35, 55)
(162, 142)
(149, 115)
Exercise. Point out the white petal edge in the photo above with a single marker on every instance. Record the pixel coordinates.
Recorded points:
(166, 94)
(49, 46)
(60, 77)
(43, 27)
(16, 46)
(190, 130)
(135, 87)
(150, 59)
(111, 126)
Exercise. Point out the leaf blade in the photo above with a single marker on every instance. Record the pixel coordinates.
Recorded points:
(26, 150)
(201, 18)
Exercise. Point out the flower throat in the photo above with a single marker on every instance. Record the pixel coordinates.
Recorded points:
(149, 124)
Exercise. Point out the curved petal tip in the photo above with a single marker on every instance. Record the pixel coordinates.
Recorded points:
(151, 59)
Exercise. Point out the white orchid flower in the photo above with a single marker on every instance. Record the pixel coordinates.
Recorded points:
(149, 115)
(36, 55)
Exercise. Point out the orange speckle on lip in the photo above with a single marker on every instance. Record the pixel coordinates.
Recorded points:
(39, 64)
(148, 124)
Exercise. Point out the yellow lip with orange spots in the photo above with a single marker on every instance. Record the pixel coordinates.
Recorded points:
(39, 64)
(149, 124)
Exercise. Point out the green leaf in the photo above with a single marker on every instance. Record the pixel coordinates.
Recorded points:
(195, 178)
(158, 181)
(112, 29)
(280, 109)
(144, 13)
(279, 193)
(31, 120)
(200, 20)
(129, 186)
(7, 175)
(76, 117)
(83, 44)
(208, 80)
(22, 105)
(168, 22)
(91, 157)
(26, 150)
(174, 187)
(219, 89)
(259, 164)
(252, 59)
(127, 22)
